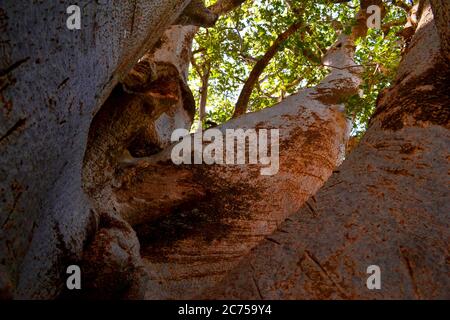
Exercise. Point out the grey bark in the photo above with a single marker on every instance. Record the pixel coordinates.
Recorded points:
(53, 80)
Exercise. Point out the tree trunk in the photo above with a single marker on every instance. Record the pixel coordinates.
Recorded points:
(139, 117)
(136, 121)
(387, 205)
(195, 222)
(53, 80)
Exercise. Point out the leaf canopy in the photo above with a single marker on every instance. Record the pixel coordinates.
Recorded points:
(241, 37)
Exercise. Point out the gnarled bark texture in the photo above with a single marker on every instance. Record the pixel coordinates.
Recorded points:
(387, 205)
(136, 121)
(198, 221)
(138, 118)
(53, 80)
(195, 222)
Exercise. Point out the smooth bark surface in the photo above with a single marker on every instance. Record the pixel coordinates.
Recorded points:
(387, 205)
(195, 222)
(53, 80)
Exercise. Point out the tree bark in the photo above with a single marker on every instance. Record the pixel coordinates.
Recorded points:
(203, 95)
(387, 205)
(136, 121)
(139, 117)
(196, 222)
(53, 80)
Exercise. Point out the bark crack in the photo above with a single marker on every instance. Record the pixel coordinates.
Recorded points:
(325, 272)
(20, 123)
(13, 208)
(15, 65)
(273, 240)
(311, 208)
(403, 253)
(63, 83)
(255, 282)
(133, 17)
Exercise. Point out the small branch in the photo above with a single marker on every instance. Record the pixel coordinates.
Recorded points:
(395, 23)
(204, 93)
(244, 97)
(401, 4)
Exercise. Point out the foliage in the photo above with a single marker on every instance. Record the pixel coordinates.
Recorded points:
(242, 36)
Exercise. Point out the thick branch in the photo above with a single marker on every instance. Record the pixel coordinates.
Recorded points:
(198, 221)
(207, 217)
(441, 10)
(195, 222)
(378, 208)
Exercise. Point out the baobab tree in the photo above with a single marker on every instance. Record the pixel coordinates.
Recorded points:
(105, 193)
